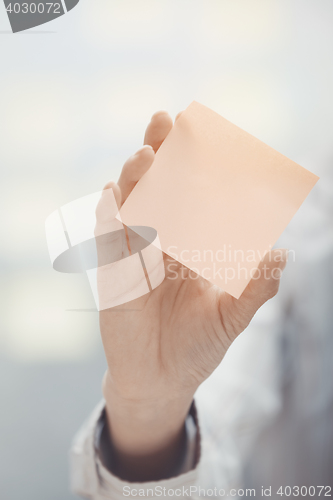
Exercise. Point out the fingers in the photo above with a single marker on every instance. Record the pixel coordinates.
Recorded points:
(137, 165)
(134, 168)
(108, 229)
(178, 116)
(107, 209)
(160, 125)
(263, 286)
(116, 191)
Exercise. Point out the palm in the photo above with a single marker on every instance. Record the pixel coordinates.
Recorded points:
(174, 337)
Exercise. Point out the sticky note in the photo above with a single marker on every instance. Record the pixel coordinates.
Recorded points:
(218, 197)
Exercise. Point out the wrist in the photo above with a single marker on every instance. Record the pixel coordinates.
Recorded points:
(147, 436)
(144, 425)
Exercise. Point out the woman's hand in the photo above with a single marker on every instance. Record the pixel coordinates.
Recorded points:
(162, 346)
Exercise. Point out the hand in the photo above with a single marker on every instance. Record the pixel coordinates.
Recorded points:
(159, 354)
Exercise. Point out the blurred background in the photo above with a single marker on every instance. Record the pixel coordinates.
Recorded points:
(75, 97)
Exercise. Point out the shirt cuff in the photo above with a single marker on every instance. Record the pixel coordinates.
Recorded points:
(90, 478)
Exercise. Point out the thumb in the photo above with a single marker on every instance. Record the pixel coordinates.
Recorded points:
(263, 286)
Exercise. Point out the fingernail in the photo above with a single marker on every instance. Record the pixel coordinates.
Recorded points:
(158, 114)
(109, 185)
(146, 146)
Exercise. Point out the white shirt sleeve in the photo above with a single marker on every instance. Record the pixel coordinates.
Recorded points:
(91, 479)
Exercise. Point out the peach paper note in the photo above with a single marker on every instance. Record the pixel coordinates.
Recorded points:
(218, 197)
